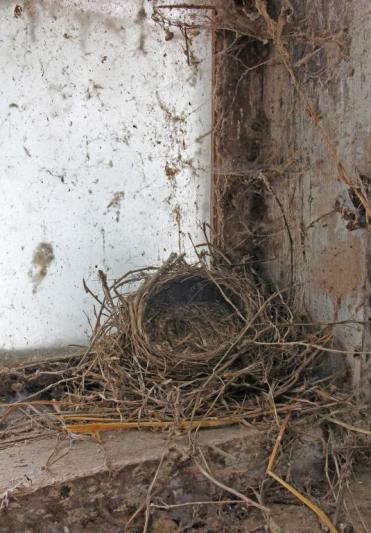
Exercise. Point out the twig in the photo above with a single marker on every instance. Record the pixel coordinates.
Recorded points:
(348, 426)
(167, 507)
(265, 180)
(308, 503)
(361, 519)
(107, 294)
(186, 6)
(149, 492)
(145, 503)
(248, 501)
(41, 391)
(96, 428)
(310, 345)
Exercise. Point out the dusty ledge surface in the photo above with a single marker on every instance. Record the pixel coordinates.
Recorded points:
(24, 467)
(81, 485)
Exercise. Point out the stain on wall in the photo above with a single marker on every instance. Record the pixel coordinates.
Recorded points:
(41, 259)
(115, 204)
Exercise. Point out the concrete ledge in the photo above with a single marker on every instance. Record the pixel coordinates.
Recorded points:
(48, 486)
(12, 358)
(82, 485)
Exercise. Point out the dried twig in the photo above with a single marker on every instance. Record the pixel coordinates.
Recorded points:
(350, 427)
(149, 492)
(245, 499)
(308, 503)
(167, 507)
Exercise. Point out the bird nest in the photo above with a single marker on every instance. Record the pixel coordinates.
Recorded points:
(190, 341)
(183, 345)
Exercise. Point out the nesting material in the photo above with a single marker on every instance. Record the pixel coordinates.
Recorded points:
(191, 342)
(183, 345)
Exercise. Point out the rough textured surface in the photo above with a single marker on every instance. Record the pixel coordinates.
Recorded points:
(330, 253)
(99, 164)
(307, 228)
(48, 486)
(86, 457)
(93, 483)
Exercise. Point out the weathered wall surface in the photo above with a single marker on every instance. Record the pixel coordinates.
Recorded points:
(327, 224)
(306, 228)
(100, 166)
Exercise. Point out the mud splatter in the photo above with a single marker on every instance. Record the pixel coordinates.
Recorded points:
(115, 204)
(177, 213)
(140, 20)
(170, 114)
(42, 257)
(171, 173)
(18, 10)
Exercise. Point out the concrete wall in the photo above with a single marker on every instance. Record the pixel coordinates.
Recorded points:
(100, 162)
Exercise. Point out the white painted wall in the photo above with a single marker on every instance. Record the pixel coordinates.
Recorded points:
(99, 158)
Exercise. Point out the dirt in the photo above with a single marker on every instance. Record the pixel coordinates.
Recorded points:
(339, 268)
(230, 518)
